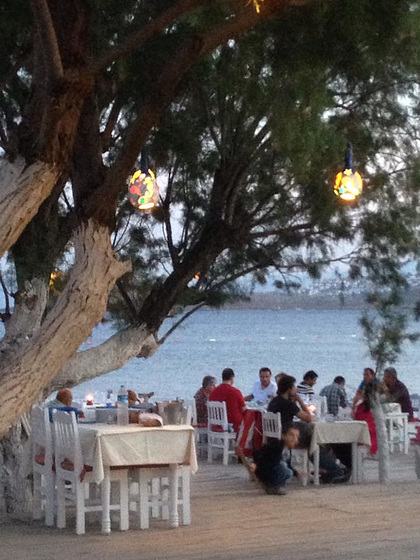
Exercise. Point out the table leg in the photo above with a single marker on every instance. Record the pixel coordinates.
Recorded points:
(106, 500)
(316, 465)
(355, 464)
(406, 438)
(173, 496)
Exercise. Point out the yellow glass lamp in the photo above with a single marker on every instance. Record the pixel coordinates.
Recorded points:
(257, 4)
(348, 183)
(143, 190)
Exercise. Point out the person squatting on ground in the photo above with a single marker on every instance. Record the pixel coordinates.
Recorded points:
(271, 468)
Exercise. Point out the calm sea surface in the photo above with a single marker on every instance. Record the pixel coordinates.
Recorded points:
(330, 342)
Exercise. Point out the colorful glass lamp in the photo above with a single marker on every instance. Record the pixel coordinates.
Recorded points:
(143, 189)
(348, 183)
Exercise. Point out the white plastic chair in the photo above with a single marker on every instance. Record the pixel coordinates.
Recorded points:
(72, 475)
(271, 425)
(217, 416)
(151, 494)
(200, 431)
(42, 465)
(397, 431)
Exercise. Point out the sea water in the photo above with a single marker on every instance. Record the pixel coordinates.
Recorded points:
(329, 342)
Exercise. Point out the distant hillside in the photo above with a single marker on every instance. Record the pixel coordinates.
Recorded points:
(299, 300)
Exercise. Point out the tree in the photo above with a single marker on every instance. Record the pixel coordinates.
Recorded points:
(257, 195)
(72, 78)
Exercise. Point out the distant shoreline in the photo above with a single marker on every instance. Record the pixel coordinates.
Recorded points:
(273, 301)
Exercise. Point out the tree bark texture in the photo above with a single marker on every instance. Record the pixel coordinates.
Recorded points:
(27, 369)
(383, 449)
(27, 313)
(23, 188)
(15, 493)
(111, 355)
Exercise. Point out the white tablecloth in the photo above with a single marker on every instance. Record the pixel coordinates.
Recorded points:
(339, 432)
(110, 445)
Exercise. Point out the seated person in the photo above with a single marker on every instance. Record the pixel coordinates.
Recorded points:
(202, 396)
(286, 403)
(287, 400)
(397, 391)
(64, 397)
(235, 403)
(363, 412)
(369, 376)
(271, 468)
(264, 389)
(63, 401)
(306, 386)
(335, 395)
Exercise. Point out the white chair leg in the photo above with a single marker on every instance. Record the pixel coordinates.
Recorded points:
(37, 503)
(124, 521)
(186, 508)
(49, 500)
(225, 451)
(164, 489)
(305, 467)
(61, 505)
(143, 501)
(156, 489)
(209, 450)
(80, 509)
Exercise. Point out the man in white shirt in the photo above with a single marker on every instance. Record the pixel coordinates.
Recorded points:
(264, 389)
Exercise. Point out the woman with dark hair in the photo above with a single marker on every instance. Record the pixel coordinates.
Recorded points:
(363, 412)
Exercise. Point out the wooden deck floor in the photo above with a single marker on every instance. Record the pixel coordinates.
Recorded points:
(232, 519)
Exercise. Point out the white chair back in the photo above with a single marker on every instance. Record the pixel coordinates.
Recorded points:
(67, 443)
(41, 436)
(271, 425)
(189, 415)
(217, 415)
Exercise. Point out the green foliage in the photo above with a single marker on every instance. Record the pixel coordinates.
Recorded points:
(385, 327)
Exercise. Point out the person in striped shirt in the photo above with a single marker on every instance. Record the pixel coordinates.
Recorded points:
(306, 387)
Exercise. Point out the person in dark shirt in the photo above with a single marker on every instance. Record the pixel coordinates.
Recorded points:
(202, 396)
(286, 400)
(270, 467)
(286, 403)
(397, 391)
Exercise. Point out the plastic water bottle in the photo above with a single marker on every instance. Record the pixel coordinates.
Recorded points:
(108, 401)
(122, 406)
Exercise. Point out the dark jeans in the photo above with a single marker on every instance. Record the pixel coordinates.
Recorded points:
(281, 474)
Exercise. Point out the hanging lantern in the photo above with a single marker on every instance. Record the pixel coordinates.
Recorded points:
(256, 4)
(348, 183)
(143, 190)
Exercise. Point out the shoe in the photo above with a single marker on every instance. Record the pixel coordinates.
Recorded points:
(341, 478)
(276, 490)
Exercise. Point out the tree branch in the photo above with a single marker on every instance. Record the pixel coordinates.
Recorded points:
(128, 301)
(141, 36)
(178, 323)
(170, 78)
(46, 31)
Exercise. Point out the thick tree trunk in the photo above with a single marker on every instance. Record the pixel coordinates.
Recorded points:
(15, 493)
(383, 449)
(27, 314)
(26, 370)
(23, 188)
(112, 354)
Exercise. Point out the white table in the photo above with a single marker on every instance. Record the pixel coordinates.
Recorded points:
(348, 431)
(105, 446)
